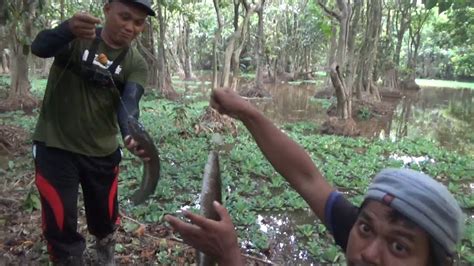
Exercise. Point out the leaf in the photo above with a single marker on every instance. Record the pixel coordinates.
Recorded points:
(36, 202)
(130, 227)
(11, 165)
(119, 248)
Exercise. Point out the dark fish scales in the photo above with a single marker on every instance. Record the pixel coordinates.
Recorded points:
(211, 191)
(151, 168)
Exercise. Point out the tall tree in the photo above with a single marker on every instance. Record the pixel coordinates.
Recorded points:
(236, 43)
(147, 45)
(419, 19)
(185, 53)
(342, 16)
(164, 77)
(402, 20)
(364, 82)
(216, 45)
(259, 49)
(21, 14)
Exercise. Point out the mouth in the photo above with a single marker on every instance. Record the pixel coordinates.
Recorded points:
(126, 36)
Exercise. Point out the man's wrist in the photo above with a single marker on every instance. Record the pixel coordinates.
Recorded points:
(249, 114)
(233, 259)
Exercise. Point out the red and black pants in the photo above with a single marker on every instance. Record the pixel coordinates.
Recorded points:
(58, 176)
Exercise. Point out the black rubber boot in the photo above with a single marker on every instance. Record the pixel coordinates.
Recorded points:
(105, 250)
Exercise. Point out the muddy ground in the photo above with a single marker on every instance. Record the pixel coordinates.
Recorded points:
(21, 241)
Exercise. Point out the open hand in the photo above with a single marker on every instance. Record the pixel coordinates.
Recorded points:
(215, 238)
(83, 25)
(134, 147)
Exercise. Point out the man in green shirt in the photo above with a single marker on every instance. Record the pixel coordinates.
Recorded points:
(75, 141)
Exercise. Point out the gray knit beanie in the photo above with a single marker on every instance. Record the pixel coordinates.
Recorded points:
(422, 200)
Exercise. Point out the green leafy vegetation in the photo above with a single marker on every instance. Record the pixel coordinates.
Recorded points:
(252, 186)
(444, 83)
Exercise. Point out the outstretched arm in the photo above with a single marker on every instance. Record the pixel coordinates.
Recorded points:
(49, 43)
(286, 156)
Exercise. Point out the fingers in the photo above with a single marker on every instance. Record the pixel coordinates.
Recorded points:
(177, 224)
(222, 211)
(83, 25)
(86, 18)
(134, 147)
(199, 220)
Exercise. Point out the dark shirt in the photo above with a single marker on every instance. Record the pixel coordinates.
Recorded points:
(77, 115)
(340, 216)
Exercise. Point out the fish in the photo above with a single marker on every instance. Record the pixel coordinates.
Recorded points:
(211, 191)
(151, 168)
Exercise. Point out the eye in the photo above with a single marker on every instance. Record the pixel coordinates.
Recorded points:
(139, 22)
(364, 229)
(398, 248)
(125, 16)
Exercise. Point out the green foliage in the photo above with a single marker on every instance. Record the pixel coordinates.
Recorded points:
(445, 84)
(251, 185)
(364, 113)
(325, 103)
(32, 201)
(449, 43)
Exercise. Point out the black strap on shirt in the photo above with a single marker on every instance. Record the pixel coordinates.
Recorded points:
(88, 71)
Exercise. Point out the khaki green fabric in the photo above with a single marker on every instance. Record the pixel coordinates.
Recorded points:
(81, 118)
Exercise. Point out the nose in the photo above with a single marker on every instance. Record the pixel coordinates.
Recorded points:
(372, 253)
(129, 26)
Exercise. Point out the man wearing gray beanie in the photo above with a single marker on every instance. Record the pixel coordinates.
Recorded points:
(407, 218)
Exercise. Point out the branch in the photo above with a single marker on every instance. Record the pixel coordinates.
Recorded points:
(331, 13)
(147, 52)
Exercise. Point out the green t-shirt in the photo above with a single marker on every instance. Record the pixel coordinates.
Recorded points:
(80, 117)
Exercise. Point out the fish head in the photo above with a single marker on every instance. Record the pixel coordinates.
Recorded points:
(134, 126)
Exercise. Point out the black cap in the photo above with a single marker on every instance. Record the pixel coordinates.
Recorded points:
(144, 4)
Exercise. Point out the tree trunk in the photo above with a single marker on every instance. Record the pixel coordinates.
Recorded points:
(19, 96)
(164, 78)
(332, 51)
(364, 83)
(403, 17)
(241, 43)
(5, 61)
(147, 47)
(235, 44)
(188, 70)
(343, 93)
(216, 45)
(414, 41)
(351, 57)
(260, 46)
(225, 78)
(344, 108)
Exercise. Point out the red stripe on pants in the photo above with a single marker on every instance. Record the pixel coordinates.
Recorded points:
(113, 192)
(51, 196)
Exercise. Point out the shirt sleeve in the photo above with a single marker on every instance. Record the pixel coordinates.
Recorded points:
(340, 217)
(139, 71)
(49, 43)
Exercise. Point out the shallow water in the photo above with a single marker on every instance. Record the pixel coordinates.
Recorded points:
(442, 114)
